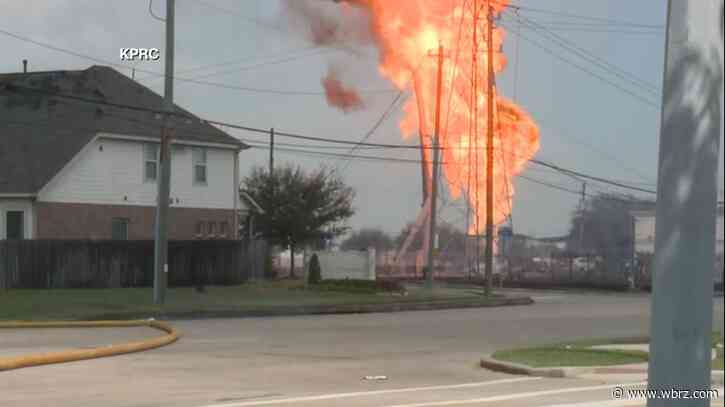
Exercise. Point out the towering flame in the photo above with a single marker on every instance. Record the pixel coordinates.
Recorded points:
(407, 34)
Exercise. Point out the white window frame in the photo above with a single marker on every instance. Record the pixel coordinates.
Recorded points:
(199, 157)
(147, 147)
(123, 221)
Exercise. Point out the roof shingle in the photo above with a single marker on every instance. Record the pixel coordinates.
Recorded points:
(40, 132)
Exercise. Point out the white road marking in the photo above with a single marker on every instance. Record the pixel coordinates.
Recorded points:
(609, 403)
(618, 403)
(515, 396)
(373, 393)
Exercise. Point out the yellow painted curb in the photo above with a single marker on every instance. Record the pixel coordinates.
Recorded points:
(37, 359)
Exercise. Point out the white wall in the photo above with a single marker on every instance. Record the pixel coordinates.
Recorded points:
(645, 232)
(111, 171)
(357, 265)
(24, 205)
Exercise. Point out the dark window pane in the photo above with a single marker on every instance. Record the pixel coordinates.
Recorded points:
(14, 225)
(151, 168)
(119, 229)
(200, 174)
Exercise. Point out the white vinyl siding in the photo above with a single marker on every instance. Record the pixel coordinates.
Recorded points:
(114, 175)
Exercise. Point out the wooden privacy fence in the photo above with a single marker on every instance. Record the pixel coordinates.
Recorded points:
(111, 264)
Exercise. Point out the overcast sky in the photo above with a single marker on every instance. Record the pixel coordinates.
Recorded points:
(586, 123)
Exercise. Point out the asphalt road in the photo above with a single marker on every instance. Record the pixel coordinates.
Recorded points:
(429, 359)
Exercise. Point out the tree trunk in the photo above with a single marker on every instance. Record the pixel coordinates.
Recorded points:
(292, 260)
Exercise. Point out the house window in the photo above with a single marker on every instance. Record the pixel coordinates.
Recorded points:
(212, 229)
(223, 229)
(119, 229)
(200, 173)
(151, 162)
(14, 225)
(200, 226)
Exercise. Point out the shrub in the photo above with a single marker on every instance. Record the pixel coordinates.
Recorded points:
(269, 272)
(314, 275)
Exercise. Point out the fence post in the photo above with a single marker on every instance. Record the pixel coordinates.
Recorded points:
(371, 263)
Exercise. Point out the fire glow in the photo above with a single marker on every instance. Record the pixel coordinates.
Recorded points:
(407, 33)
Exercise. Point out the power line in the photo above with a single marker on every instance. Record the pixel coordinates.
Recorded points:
(376, 126)
(151, 11)
(608, 21)
(310, 138)
(594, 59)
(604, 31)
(304, 53)
(250, 20)
(605, 80)
(248, 89)
(298, 151)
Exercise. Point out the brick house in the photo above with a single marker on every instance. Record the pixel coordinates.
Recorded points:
(70, 169)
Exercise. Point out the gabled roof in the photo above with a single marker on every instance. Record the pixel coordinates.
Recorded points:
(41, 131)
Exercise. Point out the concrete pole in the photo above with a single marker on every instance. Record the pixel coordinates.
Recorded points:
(682, 298)
(161, 266)
(434, 179)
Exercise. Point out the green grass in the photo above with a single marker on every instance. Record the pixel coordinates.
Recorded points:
(58, 304)
(580, 353)
(559, 356)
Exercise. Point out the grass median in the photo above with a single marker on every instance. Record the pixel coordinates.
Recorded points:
(79, 304)
(581, 354)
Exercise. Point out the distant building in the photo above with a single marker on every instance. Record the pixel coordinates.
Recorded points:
(70, 169)
(644, 231)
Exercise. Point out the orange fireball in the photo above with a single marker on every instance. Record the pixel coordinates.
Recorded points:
(407, 32)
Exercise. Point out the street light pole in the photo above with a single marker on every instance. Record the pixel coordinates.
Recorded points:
(161, 265)
(684, 259)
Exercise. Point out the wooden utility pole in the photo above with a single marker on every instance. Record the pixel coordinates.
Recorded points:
(489, 153)
(161, 244)
(475, 134)
(271, 152)
(582, 217)
(434, 181)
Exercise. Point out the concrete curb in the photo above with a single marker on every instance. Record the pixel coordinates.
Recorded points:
(496, 365)
(297, 310)
(39, 359)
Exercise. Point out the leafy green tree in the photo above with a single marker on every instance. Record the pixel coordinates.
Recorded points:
(604, 227)
(299, 208)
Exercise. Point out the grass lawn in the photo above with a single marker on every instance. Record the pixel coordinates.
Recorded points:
(559, 356)
(60, 304)
(580, 353)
